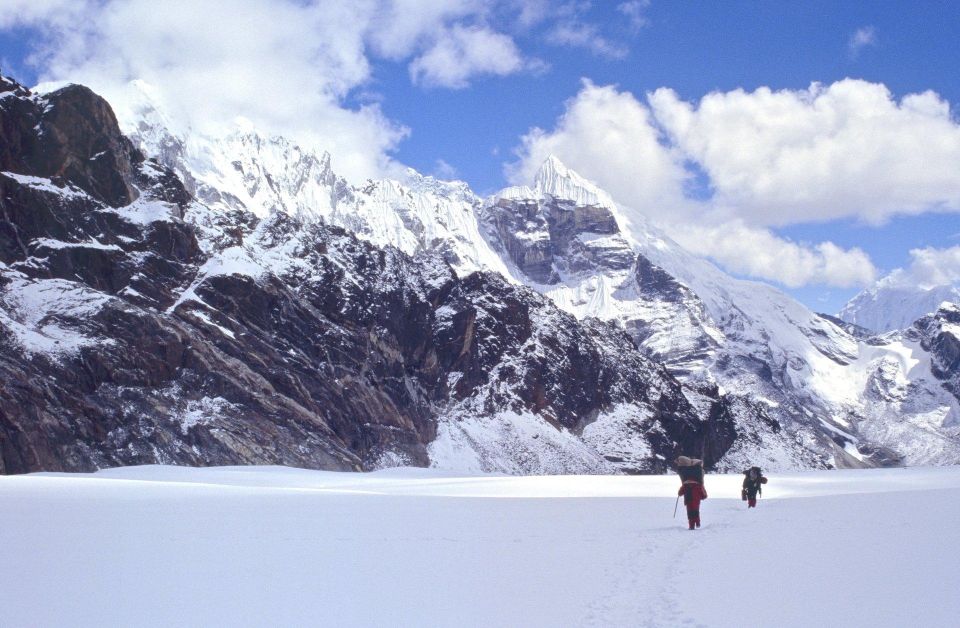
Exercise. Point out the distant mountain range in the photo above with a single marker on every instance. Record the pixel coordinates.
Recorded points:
(890, 304)
(180, 298)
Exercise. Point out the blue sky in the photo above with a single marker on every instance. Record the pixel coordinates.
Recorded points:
(692, 47)
(474, 122)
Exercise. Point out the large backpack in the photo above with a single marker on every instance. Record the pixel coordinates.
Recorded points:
(760, 481)
(693, 472)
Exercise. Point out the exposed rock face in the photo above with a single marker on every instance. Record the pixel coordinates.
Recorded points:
(70, 135)
(554, 238)
(542, 361)
(655, 283)
(939, 334)
(858, 332)
(761, 352)
(139, 326)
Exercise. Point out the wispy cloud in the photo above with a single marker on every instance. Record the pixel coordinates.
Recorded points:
(861, 38)
(571, 25)
(585, 35)
(443, 170)
(636, 12)
(463, 53)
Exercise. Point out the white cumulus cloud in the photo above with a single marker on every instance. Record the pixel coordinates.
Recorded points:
(929, 267)
(461, 53)
(846, 150)
(757, 252)
(286, 66)
(289, 66)
(767, 159)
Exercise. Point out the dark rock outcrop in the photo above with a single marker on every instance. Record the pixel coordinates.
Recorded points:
(137, 326)
(68, 135)
(548, 238)
(858, 332)
(939, 333)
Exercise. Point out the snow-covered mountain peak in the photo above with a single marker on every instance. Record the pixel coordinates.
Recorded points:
(949, 306)
(893, 303)
(452, 189)
(558, 181)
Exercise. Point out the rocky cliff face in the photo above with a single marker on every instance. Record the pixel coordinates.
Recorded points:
(744, 346)
(237, 301)
(939, 335)
(142, 326)
(556, 238)
(804, 390)
(912, 379)
(68, 135)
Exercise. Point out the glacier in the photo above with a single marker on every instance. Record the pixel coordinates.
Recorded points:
(278, 546)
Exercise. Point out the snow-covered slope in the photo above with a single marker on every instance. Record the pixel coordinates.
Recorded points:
(772, 357)
(890, 304)
(257, 546)
(242, 169)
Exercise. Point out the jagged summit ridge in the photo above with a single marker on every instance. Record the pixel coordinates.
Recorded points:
(243, 170)
(556, 180)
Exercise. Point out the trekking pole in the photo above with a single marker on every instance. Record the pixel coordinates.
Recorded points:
(675, 507)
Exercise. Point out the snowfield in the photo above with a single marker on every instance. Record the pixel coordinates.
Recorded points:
(268, 546)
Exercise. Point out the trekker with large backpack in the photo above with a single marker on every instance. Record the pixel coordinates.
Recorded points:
(753, 482)
(690, 469)
(691, 476)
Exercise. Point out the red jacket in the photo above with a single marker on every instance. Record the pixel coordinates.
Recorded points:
(692, 497)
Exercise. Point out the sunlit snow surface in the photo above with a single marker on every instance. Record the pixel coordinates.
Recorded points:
(268, 546)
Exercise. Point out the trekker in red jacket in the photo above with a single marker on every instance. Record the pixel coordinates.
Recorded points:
(693, 492)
